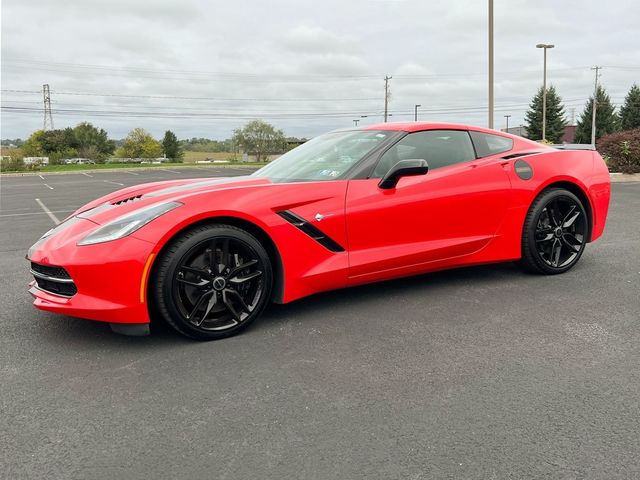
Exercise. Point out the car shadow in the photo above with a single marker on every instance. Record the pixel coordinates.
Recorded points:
(363, 294)
(79, 332)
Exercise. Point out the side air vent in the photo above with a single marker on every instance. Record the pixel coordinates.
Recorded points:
(311, 230)
(127, 200)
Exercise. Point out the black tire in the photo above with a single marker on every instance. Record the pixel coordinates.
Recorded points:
(212, 282)
(555, 232)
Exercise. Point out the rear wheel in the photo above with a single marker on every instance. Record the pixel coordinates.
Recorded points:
(555, 232)
(212, 282)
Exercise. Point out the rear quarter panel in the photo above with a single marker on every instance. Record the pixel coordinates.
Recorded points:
(584, 169)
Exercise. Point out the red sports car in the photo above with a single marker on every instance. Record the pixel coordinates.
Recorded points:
(346, 208)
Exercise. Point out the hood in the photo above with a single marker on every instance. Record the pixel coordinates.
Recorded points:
(133, 198)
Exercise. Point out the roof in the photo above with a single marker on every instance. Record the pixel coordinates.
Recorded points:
(419, 126)
(410, 127)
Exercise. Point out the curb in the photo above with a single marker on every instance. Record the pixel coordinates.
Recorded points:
(624, 177)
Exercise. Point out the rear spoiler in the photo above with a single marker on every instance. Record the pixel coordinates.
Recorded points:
(574, 146)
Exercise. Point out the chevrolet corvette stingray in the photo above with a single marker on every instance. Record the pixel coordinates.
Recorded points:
(346, 208)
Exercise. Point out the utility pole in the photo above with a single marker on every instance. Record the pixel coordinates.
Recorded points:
(573, 116)
(48, 118)
(595, 105)
(507, 117)
(355, 121)
(490, 63)
(386, 97)
(545, 46)
(415, 114)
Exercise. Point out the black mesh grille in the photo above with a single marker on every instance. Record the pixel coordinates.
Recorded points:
(50, 271)
(57, 281)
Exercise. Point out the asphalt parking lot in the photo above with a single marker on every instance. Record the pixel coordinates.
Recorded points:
(480, 372)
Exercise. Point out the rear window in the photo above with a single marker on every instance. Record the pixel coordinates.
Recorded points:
(487, 144)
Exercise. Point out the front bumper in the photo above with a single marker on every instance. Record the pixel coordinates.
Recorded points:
(110, 278)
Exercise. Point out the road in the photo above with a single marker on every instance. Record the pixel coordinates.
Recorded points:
(481, 372)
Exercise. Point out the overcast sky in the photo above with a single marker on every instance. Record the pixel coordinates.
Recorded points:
(203, 68)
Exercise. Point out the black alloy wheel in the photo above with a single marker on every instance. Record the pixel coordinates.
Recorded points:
(555, 232)
(213, 282)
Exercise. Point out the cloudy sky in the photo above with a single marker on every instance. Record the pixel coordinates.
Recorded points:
(203, 68)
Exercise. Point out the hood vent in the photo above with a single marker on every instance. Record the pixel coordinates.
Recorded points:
(127, 200)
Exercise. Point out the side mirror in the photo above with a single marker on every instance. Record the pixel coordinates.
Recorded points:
(404, 168)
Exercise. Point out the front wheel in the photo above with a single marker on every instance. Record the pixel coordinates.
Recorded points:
(555, 232)
(212, 282)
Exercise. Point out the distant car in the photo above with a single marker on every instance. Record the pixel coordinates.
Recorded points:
(346, 208)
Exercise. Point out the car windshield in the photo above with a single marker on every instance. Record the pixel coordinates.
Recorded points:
(326, 157)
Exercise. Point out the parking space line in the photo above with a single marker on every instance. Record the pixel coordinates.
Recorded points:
(48, 186)
(167, 170)
(41, 176)
(130, 173)
(86, 174)
(28, 214)
(47, 211)
(113, 183)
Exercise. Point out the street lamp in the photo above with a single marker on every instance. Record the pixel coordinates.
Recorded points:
(507, 117)
(415, 114)
(544, 46)
(355, 121)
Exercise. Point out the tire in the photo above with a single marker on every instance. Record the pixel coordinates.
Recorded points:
(555, 232)
(212, 282)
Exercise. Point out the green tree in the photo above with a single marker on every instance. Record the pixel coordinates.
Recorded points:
(92, 142)
(140, 144)
(171, 146)
(630, 110)
(555, 121)
(606, 118)
(55, 144)
(260, 139)
(32, 146)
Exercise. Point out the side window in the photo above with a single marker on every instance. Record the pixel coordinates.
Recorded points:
(487, 144)
(440, 148)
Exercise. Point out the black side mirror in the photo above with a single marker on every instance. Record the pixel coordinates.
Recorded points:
(404, 168)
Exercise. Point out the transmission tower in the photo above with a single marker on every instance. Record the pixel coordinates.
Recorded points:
(48, 118)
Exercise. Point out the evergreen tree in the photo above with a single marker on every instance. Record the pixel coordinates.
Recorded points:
(171, 146)
(555, 121)
(606, 118)
(630, 111)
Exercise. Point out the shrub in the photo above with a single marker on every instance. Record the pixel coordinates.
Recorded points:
(621, 150)
(11, 164)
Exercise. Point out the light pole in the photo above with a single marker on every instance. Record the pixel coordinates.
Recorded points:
(355, 121)
(490, 63)
(544, 46)
(507, 117)
(415, 112)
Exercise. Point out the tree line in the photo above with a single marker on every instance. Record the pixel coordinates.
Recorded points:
(608, 120)
(256, 138)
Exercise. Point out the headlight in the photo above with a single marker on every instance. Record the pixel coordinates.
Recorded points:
(127, 224)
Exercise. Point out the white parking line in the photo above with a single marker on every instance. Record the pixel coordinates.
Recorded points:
(48, 186)
(41, 176)
(130, 173)
(47, 211)
(167, 170)
(2, 215)
(113, 183)
(86, 174)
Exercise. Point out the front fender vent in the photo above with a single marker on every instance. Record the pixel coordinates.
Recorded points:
(315, 233)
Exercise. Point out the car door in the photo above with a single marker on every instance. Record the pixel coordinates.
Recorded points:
(452, 211)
